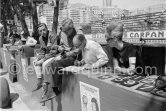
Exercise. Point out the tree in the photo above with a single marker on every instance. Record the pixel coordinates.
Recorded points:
(33, 4)
(55, 18)
(59, 4)
(18, 9)
(7, 14)
(34, 19)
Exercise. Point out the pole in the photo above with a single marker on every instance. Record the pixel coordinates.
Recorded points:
(34, 19)
(1, 29)
(55, 18)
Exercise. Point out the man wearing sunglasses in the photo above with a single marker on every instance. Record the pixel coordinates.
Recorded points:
(124, 54)
(93, 55)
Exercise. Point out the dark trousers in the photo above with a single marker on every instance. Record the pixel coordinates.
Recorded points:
(59, 64)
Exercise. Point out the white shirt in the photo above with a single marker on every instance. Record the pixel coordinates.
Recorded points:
(94, 54)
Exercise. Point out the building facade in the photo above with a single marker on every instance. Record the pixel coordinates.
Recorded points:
(150, 9)
(80, 14)
(45, 14)
(107, 3)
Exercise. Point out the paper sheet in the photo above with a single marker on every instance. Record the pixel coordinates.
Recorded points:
(74, 68)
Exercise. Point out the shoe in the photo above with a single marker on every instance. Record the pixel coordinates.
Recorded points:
(49, 98)
(39, 84)
(56, 90)
(45, 89)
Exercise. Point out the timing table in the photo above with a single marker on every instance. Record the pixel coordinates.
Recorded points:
(112, 92)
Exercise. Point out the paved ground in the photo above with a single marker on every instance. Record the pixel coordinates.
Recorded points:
(19, 95)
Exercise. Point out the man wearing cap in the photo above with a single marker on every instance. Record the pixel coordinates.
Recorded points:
(124, 54)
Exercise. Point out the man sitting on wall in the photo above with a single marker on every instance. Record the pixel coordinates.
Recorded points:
(124, 54)
(93, 54)
(66, 57)
(46, 40)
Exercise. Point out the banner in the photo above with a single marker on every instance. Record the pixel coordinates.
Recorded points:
(154, 34)
(90, 100)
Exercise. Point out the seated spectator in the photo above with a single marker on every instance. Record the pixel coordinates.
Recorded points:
(46, 40)
(124, 54)
(93, 54)
(67, 54)
(14, 36)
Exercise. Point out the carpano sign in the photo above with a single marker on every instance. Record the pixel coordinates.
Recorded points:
(147, 34)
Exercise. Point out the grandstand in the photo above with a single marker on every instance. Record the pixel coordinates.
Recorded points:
(150, 21)
(154, 20)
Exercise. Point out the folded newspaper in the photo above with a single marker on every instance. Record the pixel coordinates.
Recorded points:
(74, 68)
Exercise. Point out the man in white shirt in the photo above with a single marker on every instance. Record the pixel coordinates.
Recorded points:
(92, 52)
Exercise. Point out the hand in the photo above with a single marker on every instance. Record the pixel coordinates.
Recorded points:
(131, 71)
(88, 66)
(82, 62)
(69, 53)
(60, 48)
(77, 63)
(54, 47)
(127, 71)
(49, 47)
(76, 51)
(48, 55)
(39, 62)
(117, 70)
(53, 51)
(20, 47)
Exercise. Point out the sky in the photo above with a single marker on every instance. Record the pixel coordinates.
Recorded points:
(125, 4)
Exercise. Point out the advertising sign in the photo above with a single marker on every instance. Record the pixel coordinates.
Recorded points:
(90, 98)
(147, 34)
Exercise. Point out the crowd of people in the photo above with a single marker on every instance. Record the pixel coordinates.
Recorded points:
(70, 47)
(18, 38)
